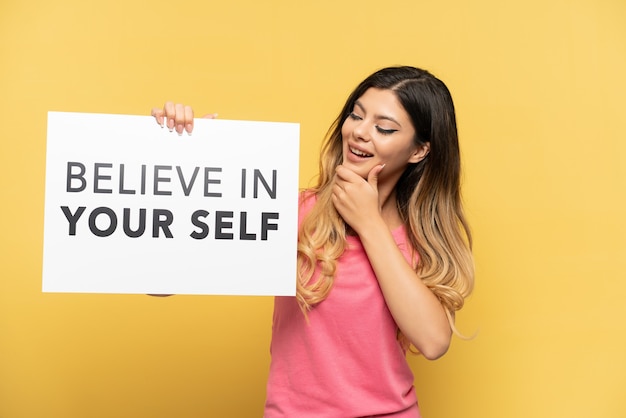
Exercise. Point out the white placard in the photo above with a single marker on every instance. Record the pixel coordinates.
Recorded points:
(133, 208)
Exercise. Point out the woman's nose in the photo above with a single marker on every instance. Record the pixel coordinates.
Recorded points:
(362, 131)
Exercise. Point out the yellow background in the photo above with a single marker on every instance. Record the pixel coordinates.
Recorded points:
(539, 87)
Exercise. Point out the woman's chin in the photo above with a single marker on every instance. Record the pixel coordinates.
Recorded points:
(362, 169)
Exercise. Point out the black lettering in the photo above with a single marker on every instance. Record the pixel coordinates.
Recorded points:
(266, 226)
(143, 179)
(75, 176)
(187, 188)
(259, 177)
(72, 218)
(157, 180)
(243, 223)
(243, 183)
(140, 228)
(112, 221)
(97, 177)
(207, 181)
(221, 224)
(159, 223)
(122, 190)
(204, 228)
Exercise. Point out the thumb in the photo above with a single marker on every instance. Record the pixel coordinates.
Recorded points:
(372, 177)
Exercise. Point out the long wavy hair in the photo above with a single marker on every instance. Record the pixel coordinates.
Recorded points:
(427, 196)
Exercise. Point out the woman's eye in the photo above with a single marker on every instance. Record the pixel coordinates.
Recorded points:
(385, 131)
(354, 116)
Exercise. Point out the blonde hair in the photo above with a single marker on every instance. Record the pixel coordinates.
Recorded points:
(427, 196)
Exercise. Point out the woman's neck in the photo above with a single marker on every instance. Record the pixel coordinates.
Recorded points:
(389, 208)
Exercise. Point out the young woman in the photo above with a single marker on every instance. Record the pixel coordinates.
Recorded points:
(384, 253)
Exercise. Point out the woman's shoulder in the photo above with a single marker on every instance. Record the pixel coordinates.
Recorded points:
(306, 201)
(307, 197)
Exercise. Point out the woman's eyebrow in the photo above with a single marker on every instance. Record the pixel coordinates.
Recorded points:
(359, 105)
(377, 117)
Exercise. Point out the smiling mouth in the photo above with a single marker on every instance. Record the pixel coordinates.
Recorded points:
(360, 153)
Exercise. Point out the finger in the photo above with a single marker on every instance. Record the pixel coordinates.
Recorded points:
(188, 119)
(336, 200)
(341, 172)
(346, 174)
(170, 114)
(372, 176)
(157, 113)
(337, 189)
(180, 118)
(338, 182)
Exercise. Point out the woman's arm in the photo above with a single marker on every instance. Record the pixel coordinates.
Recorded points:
(415, 308)
(417, 311)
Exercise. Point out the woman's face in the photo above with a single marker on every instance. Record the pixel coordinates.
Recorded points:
(379, 131)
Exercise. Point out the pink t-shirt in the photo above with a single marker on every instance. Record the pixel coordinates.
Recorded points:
(346, 362)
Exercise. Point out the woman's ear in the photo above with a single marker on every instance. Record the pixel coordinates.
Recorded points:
(420, 153)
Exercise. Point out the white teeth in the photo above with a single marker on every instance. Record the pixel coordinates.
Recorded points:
(359, 152)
